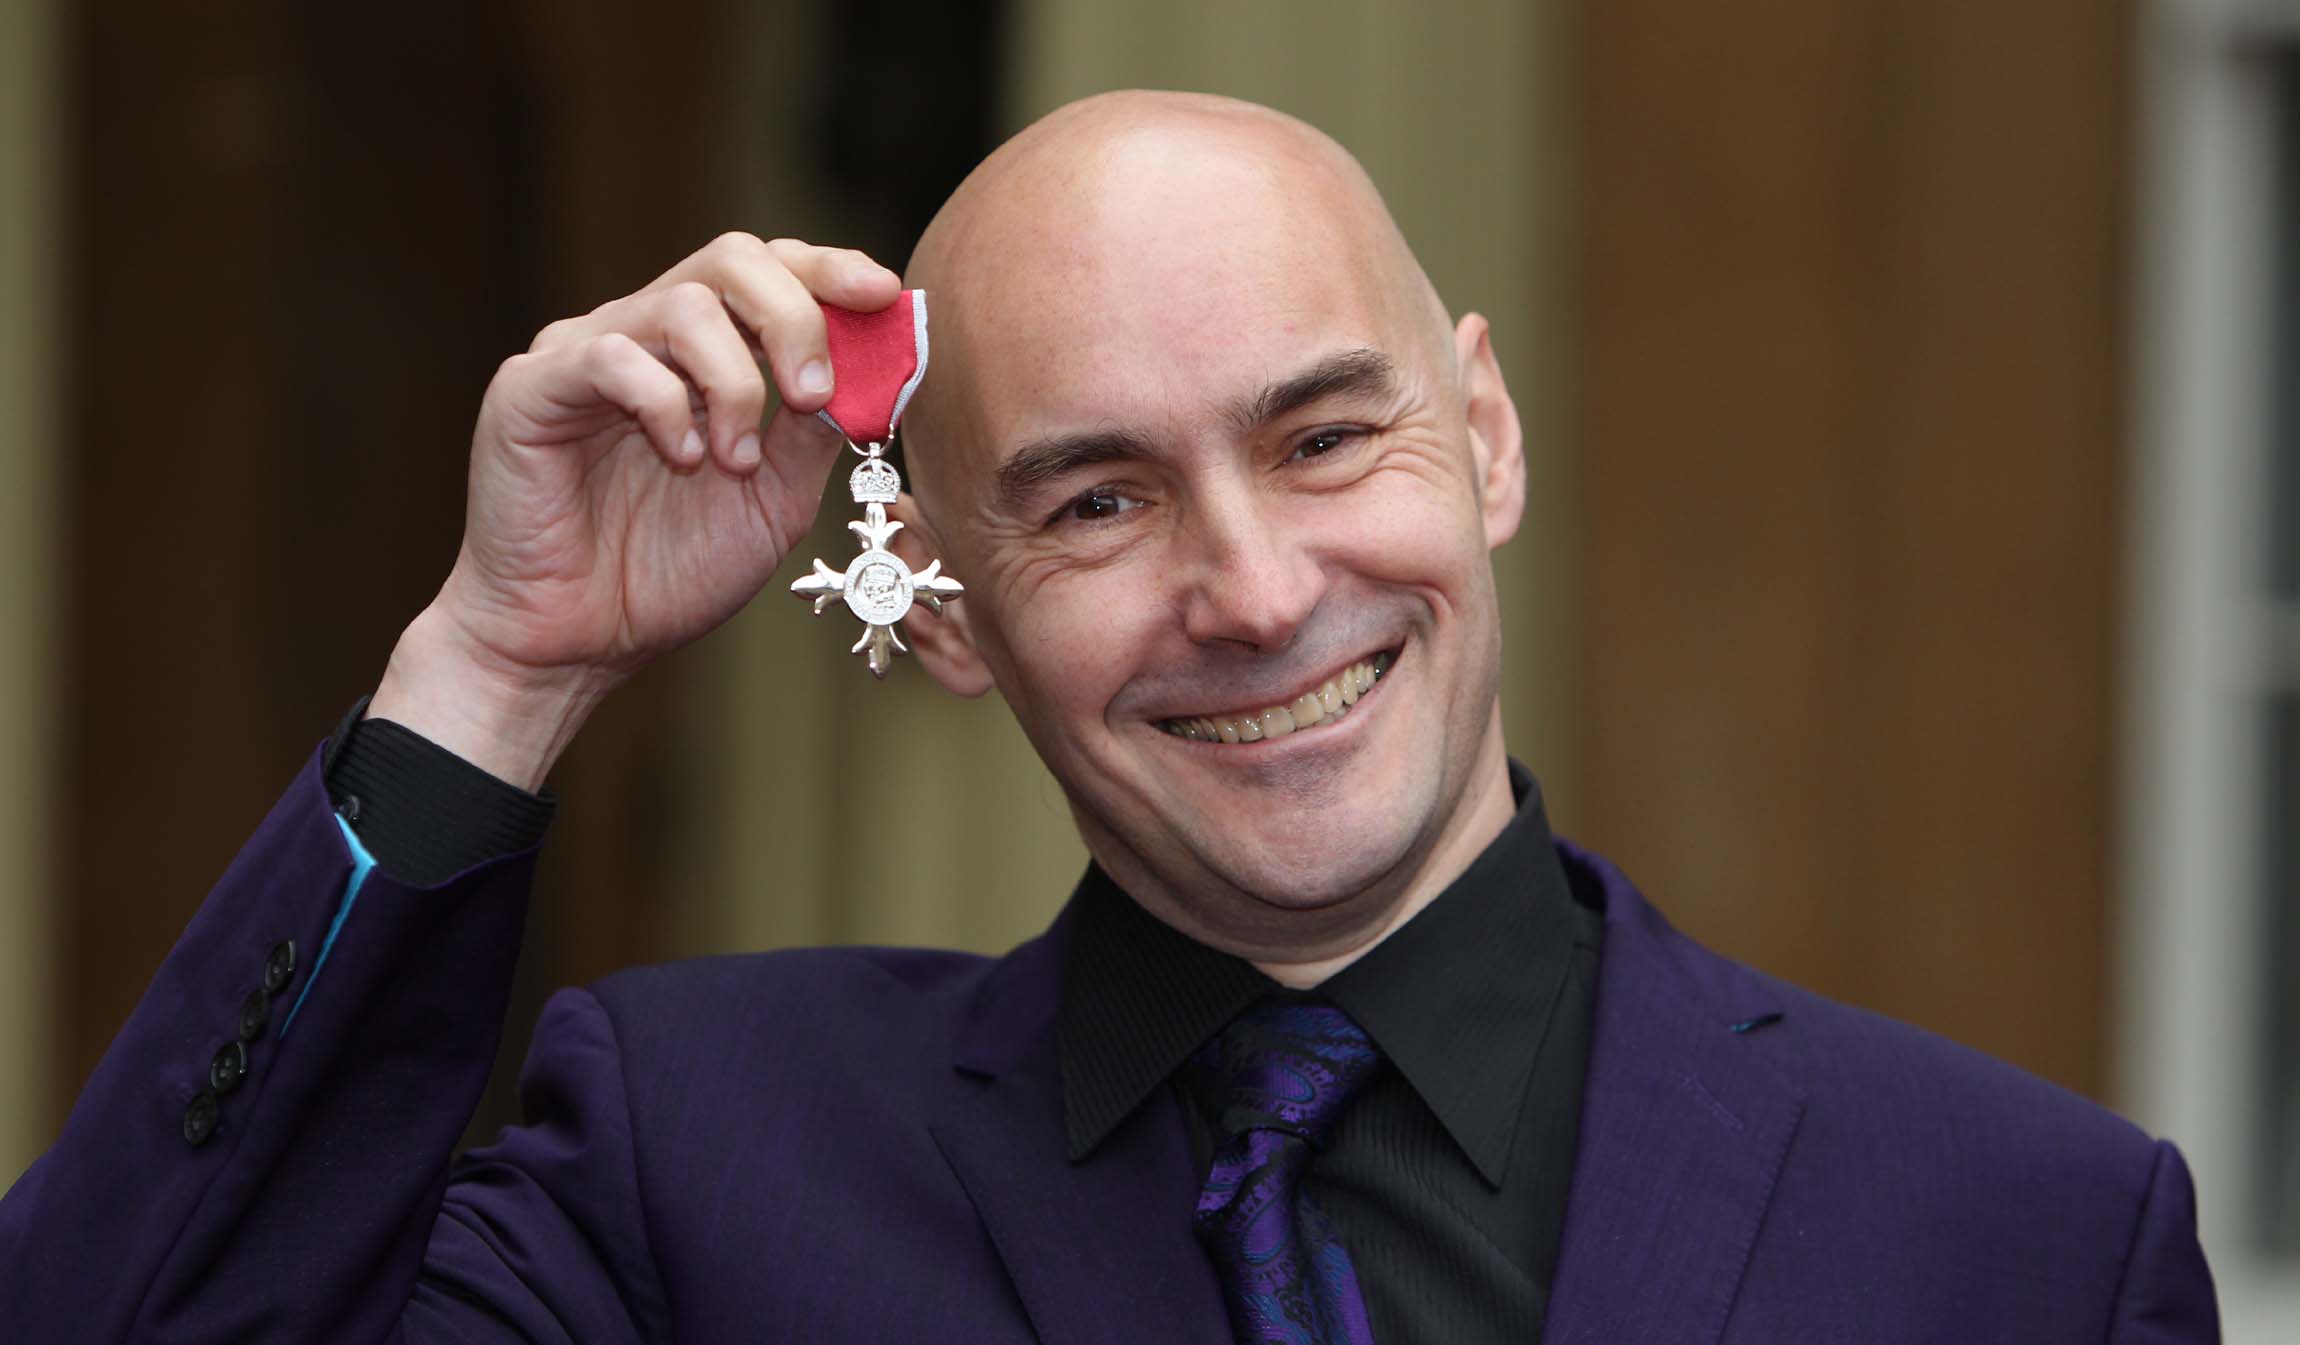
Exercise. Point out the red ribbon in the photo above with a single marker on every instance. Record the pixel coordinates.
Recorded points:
(877, 360)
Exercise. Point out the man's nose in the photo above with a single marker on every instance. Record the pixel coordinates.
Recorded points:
(1251, 577)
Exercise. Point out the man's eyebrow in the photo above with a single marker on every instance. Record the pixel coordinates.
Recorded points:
(1042, 460)
(1364, 372)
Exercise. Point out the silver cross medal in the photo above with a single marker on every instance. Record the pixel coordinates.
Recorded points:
(878, 360)
(877, 586)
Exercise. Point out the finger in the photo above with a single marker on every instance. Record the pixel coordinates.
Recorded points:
(773, 289)
(789, 324)
(638, 316)
(801, 451)
(615, 369)
(764, 297)
(558, 336)
(704, 344)
(757, 282)
(839, 276)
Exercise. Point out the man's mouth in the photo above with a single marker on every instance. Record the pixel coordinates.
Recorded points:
(1318, 708)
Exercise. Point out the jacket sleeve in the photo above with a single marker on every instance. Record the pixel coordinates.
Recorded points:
(291, 1195)
(2167, 1296)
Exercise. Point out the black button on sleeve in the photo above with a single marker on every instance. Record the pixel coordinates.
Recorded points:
(279, 966)
(200, 1116)
(228, 1068)
(425, 813)
(255, 1013)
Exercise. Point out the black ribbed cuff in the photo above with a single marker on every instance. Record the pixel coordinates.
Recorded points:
(425, 813)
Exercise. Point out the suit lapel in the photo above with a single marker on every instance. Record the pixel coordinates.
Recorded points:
(1684, 1129)
(1099, 1250)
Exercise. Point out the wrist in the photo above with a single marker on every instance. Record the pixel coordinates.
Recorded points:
(512, 723)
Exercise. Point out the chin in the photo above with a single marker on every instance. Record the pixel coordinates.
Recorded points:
(1324, 883)
(1357, 843)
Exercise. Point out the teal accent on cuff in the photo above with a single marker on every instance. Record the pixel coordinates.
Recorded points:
(362, 863)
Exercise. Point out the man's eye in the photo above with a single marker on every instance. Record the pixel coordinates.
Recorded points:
(1098, 504)
(1324, 442)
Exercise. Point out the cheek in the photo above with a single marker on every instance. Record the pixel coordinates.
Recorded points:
(1070, 643)
(1410, 528)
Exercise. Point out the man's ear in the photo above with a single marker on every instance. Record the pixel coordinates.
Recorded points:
(1497, 444)
(944, 643)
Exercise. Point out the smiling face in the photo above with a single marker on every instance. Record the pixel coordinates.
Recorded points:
(1222, 484)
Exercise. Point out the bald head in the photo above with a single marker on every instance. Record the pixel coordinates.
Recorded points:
(1127, 215)
(1083, 164)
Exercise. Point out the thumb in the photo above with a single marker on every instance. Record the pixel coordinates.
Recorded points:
(798, 456)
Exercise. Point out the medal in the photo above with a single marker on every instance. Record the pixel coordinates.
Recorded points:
(877, 360)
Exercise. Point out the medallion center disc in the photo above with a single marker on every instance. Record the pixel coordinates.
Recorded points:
(878, 587)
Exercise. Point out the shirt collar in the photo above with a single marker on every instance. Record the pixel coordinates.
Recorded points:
(1458, 998)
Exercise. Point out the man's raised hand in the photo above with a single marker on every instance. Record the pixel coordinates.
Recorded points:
(623, 500)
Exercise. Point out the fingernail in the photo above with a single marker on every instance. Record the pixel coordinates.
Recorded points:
(691, 447)
(747, 451)
(815, 377)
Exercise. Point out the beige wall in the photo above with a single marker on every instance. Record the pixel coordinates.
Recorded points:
(29, 333)
(1849, 367)
(832, 808)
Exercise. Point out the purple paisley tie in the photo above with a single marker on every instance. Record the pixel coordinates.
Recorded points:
(1284, 1072)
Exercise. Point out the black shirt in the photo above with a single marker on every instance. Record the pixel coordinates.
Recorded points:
(1447, 1178)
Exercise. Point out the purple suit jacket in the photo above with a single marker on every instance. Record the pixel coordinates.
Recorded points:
(867, 1144)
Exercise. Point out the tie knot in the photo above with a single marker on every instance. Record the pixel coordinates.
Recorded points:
(1288, 1066)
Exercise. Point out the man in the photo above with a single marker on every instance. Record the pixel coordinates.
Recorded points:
(1333, 1042)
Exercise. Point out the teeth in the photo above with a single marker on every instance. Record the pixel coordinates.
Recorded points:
(1307, 710)
(1312, 708)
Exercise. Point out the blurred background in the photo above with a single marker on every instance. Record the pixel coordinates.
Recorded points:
(1911, 597)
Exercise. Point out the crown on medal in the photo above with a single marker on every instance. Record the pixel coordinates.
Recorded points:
(875, 482)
